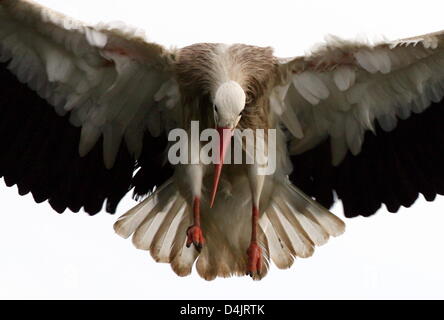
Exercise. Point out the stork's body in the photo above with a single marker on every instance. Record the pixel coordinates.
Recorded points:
(214, 80)
(227, 87)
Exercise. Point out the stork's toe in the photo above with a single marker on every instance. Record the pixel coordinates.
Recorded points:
(254, 265)
(195, 237)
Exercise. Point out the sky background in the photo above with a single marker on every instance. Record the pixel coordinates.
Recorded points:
(47, 255)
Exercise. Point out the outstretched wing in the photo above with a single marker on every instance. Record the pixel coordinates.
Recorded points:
(81, 108)
(365, 122)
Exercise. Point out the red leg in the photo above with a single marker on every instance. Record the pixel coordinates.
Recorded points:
(194, 232)
(254, 252)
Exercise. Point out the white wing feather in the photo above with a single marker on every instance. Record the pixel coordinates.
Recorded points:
(343, 87)
(106, 75)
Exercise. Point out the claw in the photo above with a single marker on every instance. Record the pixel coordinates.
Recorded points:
(195, 237)
(254, 266)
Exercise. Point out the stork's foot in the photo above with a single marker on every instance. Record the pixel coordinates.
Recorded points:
(254, 266)
(195, 236)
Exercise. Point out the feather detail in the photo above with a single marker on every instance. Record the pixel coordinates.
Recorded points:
(311, 87)
(279, 254)
(344, 86)
(344, 77)
(297, 237)
(158, 224)
(127, 224)
(102, 74)
(294, 224)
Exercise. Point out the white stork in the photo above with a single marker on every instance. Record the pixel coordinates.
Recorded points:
(85, 112)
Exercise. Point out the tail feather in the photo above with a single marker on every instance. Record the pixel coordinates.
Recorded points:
(266, 259)
(162, 242)
(131, 220)
(328, 221)
(332, 224)
(291, 226)
(305, 222)
(279, 252)
(297, 237)
(158, 224)
(294, 224)
(181, 257)
(145, 233)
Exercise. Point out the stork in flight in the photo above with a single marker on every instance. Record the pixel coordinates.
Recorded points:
(85, 112)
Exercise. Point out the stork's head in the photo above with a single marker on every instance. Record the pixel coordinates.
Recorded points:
(229, 102)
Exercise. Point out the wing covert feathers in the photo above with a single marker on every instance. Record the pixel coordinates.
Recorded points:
(105, 76)
(343, 88)
(370, 121)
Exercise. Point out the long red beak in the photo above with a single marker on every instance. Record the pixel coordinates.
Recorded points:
(225, 135)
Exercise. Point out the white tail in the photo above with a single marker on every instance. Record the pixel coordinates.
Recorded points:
(159, 224)
(291, 226)
(294, 224)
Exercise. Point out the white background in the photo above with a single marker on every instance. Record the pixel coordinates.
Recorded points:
(46, 255)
